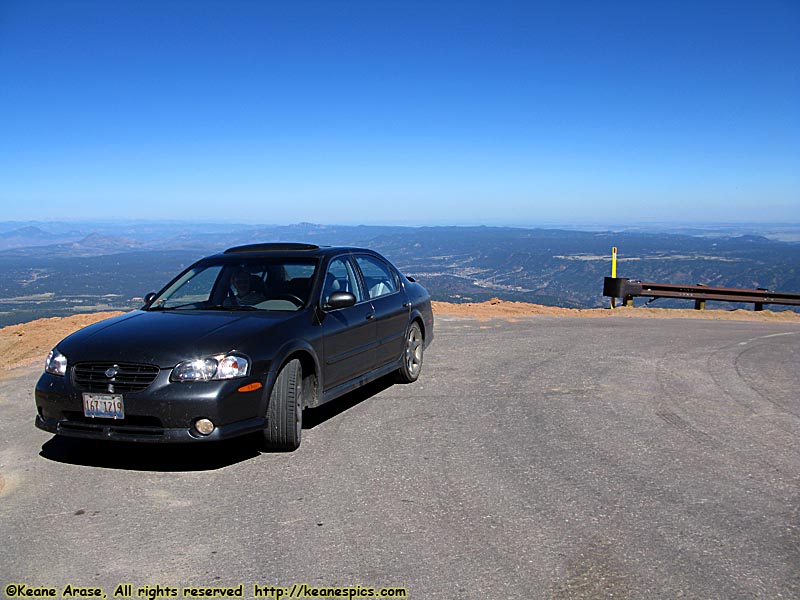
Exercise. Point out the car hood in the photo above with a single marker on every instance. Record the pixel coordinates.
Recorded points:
(166, 338)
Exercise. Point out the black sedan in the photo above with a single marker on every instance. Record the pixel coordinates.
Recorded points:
(239, 342)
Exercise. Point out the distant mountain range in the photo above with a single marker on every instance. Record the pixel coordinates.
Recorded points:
(49, 269)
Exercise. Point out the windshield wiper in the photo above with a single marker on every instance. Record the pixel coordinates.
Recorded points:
(162, 307)
(232, 307)
(195, 306)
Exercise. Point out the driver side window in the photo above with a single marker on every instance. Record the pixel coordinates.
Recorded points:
(341, 278)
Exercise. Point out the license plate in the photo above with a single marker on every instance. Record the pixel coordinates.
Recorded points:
(109, 406)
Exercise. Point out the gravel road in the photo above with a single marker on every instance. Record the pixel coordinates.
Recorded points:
(549, 458)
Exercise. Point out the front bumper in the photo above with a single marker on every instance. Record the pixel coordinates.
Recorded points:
(108, 430)
(164, 412)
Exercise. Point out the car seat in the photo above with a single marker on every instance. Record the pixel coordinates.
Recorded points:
(380, 289)
(257, 285)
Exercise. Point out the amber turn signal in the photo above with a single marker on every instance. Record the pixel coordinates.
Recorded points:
(250, 387)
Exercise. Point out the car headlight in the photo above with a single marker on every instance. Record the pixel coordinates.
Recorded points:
(56, 363)
(223, 366)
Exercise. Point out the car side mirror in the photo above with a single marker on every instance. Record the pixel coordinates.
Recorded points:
(149, 298)
(340, 300)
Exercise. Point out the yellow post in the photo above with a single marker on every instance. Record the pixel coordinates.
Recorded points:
(613, 270)
(614, 261)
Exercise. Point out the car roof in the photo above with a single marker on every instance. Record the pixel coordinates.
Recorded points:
(289, 249)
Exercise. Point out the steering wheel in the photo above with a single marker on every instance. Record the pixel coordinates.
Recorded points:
(290, 297)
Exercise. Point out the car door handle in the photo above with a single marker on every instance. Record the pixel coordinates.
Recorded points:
(370, 316)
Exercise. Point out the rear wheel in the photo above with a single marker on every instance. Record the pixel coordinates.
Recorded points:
(285, 411)
(411, 365)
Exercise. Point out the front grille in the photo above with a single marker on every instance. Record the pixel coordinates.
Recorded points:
(92, 377)
(108, 430)
(77, 418)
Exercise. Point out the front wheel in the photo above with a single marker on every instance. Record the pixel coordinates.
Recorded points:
(285, 411)
(411, 365)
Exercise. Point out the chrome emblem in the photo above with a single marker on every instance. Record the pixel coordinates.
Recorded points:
(112, 372)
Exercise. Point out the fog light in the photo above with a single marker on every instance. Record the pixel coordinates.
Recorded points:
(204, 426)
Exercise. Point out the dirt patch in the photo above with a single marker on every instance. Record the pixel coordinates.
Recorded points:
(28, 343)
(500, 309)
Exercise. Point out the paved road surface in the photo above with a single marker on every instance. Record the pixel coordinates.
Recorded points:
(547, 458)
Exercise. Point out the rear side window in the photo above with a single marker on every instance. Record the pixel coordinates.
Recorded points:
(379, 278)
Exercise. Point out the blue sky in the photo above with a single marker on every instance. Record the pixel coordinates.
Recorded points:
(515, 113)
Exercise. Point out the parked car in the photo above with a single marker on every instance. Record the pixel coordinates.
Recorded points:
(239, 342)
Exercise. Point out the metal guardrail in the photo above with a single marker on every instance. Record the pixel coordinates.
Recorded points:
(628, 289)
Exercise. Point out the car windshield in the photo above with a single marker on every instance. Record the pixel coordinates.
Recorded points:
(244, 285)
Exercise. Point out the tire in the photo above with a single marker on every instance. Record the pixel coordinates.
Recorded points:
(285, 411)
(411, 361)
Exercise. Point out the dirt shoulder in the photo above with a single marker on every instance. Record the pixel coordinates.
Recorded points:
(500, 309)
(26, 345)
